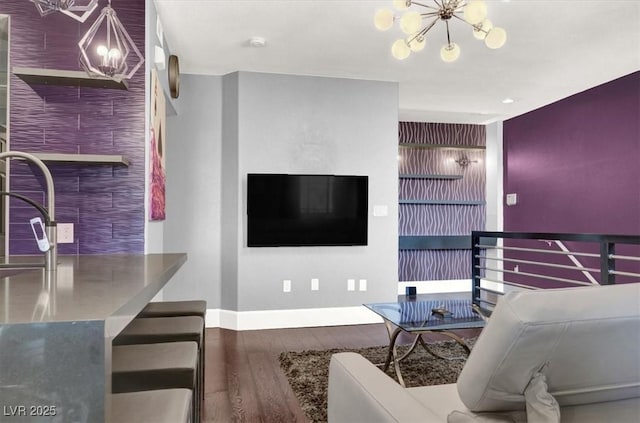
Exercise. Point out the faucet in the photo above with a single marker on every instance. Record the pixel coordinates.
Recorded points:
(51, 256)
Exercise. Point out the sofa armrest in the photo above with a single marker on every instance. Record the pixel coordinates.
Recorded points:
(360, 392)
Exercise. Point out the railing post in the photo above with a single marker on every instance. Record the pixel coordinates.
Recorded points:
(475, 268)
(607, 264)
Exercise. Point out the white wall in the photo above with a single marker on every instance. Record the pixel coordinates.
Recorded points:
(494, 196)
(494, 191)
(193, 190)
(154, 231)
(299, 124)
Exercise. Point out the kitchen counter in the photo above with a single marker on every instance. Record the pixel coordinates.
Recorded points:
(56, 331)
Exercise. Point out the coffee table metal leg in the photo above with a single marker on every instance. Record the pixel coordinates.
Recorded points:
(451, 335)
(393, 352)
(414, 344)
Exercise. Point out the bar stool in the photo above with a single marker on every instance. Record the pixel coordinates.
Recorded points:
(159, 406)
(168, 329)
(147, 367)
(174, 309)
(177, 309)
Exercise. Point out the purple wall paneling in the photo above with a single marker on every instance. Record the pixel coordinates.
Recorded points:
(575, 167)
(106, 203)
(420, 265)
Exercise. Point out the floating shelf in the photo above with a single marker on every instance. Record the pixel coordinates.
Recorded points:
(40, 76)
(428, 176)
(445, 202)
(439, 242)
(90, 159)
(443, 146)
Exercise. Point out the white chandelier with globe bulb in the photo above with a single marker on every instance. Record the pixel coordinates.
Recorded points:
(415, 25)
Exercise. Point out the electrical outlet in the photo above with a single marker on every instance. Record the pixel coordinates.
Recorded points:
(315, 284)
(363, 285)
(286, 285)
(351, 284)
(65, 233)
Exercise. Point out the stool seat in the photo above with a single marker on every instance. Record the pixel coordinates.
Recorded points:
(149, 330)
(154, 366)
(175, 308)
(160, 406)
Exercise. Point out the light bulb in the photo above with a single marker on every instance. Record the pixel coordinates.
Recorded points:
(480, 30)
(450, 52)
(475, 11)
(496, 38)
(383, 19)
(410, 22)
(114, 53)
(417, 44)
(102, 51)
(400, 49)
(401, 4)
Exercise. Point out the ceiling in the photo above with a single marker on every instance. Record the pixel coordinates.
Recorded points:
(555, 48)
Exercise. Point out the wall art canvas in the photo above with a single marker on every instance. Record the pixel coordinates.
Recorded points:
(157, 177)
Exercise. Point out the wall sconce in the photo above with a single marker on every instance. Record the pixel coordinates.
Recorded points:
(108, 50)
(77, 9)
(464, 161)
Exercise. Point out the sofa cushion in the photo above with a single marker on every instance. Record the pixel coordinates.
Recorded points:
(443, 400)
(585, 340)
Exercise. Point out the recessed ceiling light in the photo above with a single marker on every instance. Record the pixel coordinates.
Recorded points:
(508, 100)
(257, 41)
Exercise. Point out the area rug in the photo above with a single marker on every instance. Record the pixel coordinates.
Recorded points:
(308, 371)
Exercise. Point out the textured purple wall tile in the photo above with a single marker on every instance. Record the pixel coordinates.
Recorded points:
(419, 265)
(442, 133)
(425, 265)
(440, 219)
(77, 120)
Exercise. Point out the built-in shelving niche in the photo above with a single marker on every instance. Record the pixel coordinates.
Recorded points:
(434, 182)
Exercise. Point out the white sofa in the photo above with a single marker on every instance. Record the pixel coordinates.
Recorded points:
(570, 355)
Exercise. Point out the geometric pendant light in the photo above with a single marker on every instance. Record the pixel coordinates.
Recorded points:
(107, 49)
(77, 9)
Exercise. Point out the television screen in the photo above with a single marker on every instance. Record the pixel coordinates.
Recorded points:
(303, 210)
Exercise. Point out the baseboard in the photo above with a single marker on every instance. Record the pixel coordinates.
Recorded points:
(297, 318)
(329, 316)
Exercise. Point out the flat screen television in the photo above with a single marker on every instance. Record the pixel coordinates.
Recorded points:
(306, 210)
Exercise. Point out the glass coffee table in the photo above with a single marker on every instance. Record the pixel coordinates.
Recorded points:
(416, 318)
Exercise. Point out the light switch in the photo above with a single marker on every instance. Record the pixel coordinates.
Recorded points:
(363, 285)
(351, 284)
(315, 284)
(380, 211)
(286, 285)
(512, 199)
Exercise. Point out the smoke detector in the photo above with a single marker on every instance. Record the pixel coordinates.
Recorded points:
(257, 42)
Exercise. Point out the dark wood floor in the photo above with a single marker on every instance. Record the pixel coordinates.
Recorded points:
(244, 382)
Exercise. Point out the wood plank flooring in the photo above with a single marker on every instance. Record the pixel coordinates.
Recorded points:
(244, 382)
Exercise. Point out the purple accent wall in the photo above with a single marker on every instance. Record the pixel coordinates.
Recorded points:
(575, 165)
(423, 219)
(106, 203)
